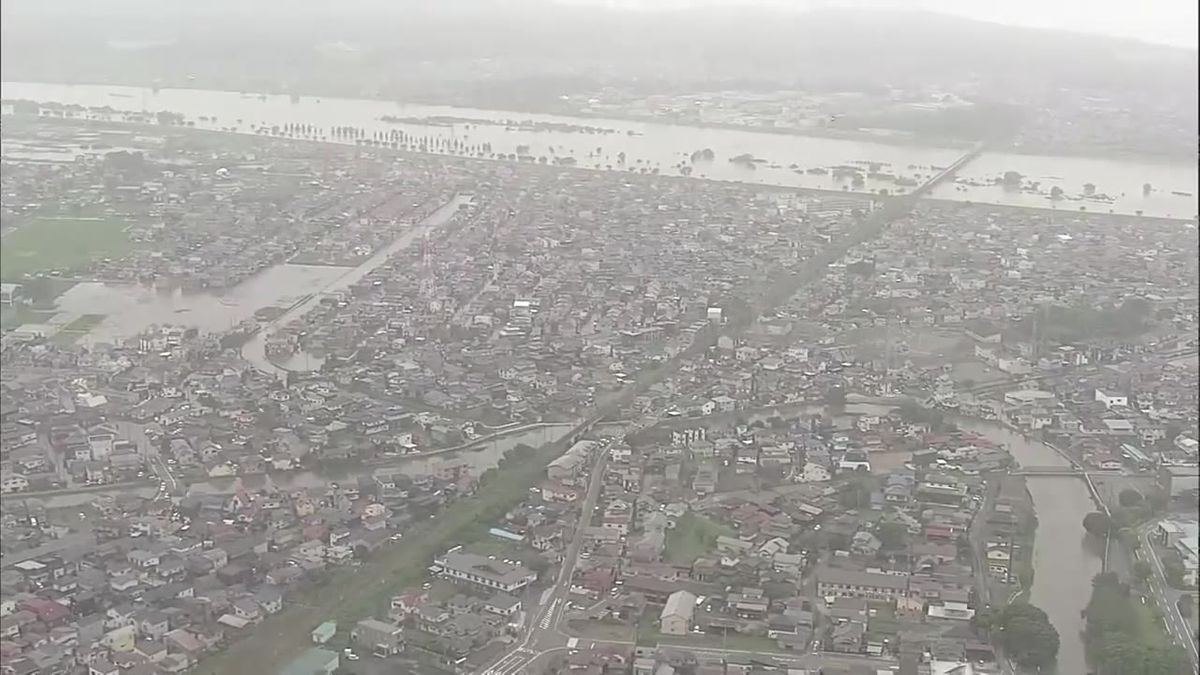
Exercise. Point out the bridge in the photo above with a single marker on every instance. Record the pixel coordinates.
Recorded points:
(1047, 471)
(949, 171)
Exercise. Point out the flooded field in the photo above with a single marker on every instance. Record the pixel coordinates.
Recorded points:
(131, 309)
(766, 158)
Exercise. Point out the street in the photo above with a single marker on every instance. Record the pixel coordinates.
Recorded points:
(542, 636)
(148, 450)
(1167, 597)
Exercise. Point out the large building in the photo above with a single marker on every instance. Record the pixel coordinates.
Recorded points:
(837, 582)
(1180, 481)
(571, 463)
(676, 616)
(1183, 537)
(482, 571)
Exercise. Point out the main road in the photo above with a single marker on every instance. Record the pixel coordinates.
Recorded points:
(1167, 597)
(541, 634)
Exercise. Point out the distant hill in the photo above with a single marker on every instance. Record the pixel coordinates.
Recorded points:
(406, 43)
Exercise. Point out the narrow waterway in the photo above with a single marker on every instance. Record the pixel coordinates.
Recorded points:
(1064, 562)
(477, 458)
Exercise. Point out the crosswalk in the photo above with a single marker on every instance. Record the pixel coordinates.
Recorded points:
(548, 617)
(512, 663)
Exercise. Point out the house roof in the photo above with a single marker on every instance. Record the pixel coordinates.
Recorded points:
(680, 604)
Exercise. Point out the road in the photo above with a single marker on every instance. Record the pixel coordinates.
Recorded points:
(1167, 597)
(542, 635)
(150, 451)
(777, 662)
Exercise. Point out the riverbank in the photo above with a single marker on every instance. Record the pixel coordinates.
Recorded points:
(651, 144)
(908, 139)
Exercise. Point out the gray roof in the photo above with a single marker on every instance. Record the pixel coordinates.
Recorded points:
(845, 577)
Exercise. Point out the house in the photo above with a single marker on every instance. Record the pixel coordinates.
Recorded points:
(247, 610)
(676, 615)
(847, 637)
(383, 639)
(269, 599)
(1111, 401)
(103, 667)
(502, 604)
(13, 482)
(321, 634)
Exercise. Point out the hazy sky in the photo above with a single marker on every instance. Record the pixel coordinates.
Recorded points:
(1170, 22)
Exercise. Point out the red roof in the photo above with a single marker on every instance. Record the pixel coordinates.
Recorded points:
(47, 611)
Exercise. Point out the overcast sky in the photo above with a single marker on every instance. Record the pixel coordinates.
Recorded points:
(1171, 22)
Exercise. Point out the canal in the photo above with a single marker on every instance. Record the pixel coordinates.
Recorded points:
(1064, 561)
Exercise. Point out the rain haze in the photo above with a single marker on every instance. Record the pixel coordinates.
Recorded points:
(548, 337)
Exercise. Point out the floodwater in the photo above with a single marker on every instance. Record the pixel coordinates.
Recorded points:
(1121, 180)
(478, 458)
(1064, 562)
(785, 160)
(130, 309)
(254, 350)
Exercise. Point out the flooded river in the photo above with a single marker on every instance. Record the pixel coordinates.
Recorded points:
(782, 159)
(1063, 561)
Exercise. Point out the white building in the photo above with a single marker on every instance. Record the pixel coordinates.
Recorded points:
(482, 571)
(1111, 401)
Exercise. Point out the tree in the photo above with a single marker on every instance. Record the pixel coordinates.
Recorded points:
(1130, 497)
(1027, 635)
(892, 535)
(1056, 192)
(1097, 524)
(835, 397)
(1142, 571)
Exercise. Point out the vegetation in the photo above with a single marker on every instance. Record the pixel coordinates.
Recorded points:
(1124, 636)
(693, 536)
(856, 493)
(1097, 524)
(1129, 498)
(349, 594)
(892, 535)
(1070, 324)
(1025, 633)
(78, 328)
(63, 244)
(1186, 606)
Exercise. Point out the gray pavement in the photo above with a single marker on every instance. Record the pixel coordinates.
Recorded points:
(1167, 597)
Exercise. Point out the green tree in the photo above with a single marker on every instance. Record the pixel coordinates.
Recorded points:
(1025, 633)
(1097, 524)
(1129, 498)
(892, 535)
(1142, 571)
